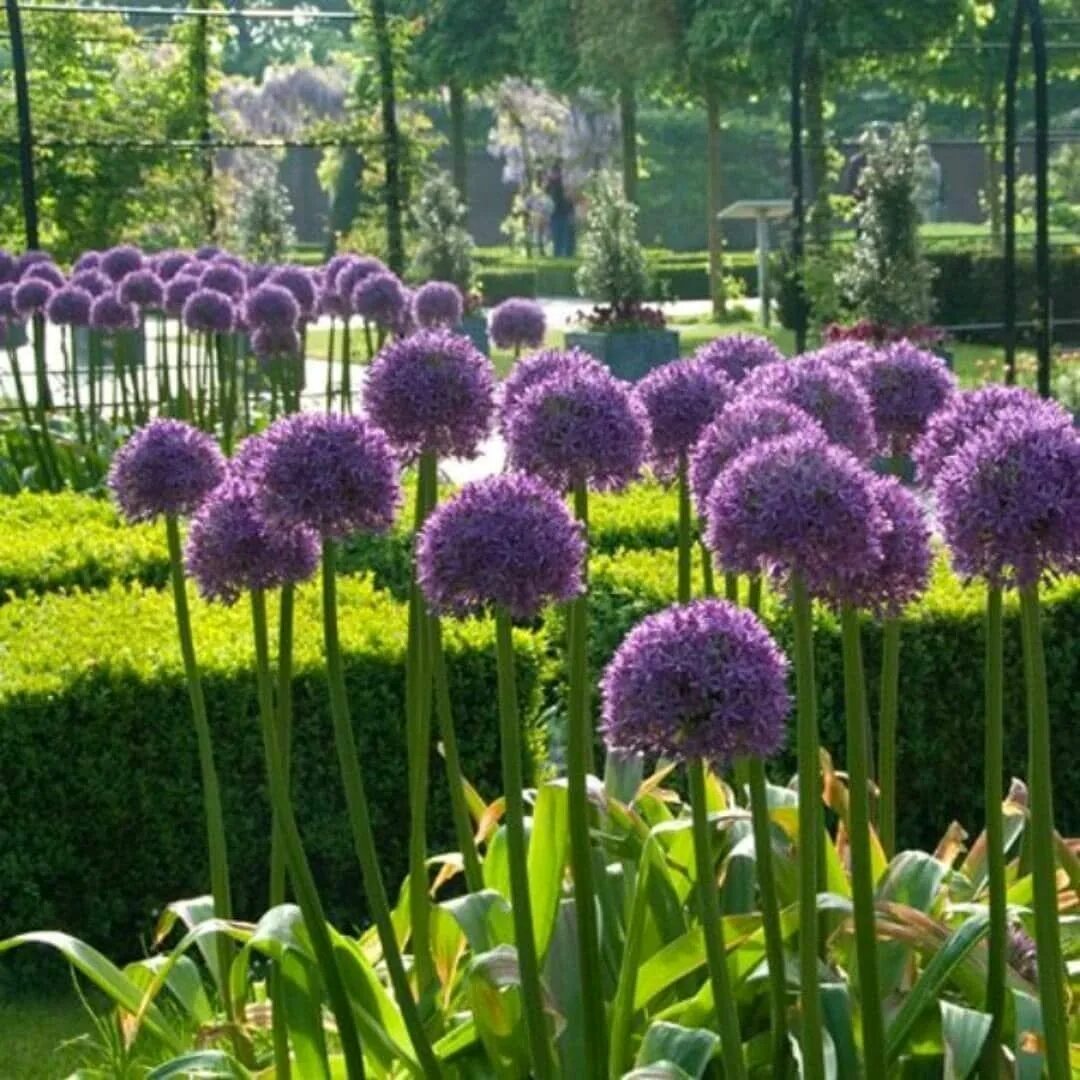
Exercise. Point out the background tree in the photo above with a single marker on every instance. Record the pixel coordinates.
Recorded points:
(393, 191)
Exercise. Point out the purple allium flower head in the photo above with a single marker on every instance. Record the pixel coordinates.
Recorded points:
(142, 288)
(331, 304)
(736, 355)
(110, 313)
(225, 258)
(299, 282)
(93, 281)
(276, 341)
(906, 386)
(118, 262)
(225, 279)
(257, 275)
(406, 323)
(352, 273)
(539, 367)
(379, 298)
(508, 542)
(193, 268)
(334, 267)
(832, 396)
(208, 252)
(518, 324)
(797, 505)
(746, 422)
(1008, 500)
(31, 296)
(9, 268)
(438, 303)
(432, 391)
(701, 680)
(167, 467)
(335, 474)
(679, 399)
(231, 549)
(578, 427)
(967, 413)
(70, 306)
(271, 305)
(30, 258)
(169, 263)
(849, 354)
(46, 271)
(88, 260)
(209, 311)
(7, 302)
(177, 293)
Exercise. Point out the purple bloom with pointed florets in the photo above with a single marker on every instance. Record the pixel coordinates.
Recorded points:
(335, 474)
(299, 282)
(797, 506)
(352, 273)
(432, 392)
(679, 400)
(193, 268)
(88, 260)
(31, 296)
(334, 267)
(505, 542)
(969, 412)
(833, 397)
(142, 288)
(46, 271)
(30, 258)
(70, 306)
(169, 263)
(210, 311)
(539, 367)
(177, 293)
(208, 252)
(9, 268)
(110, 313)
(702, 680)
(271, 305)
(275, 341)
(746, 422)
(438, 303)
(231, 549)
(380, 299)
(257, 275)
(906, 386)
(118, 262)
(736, 355)
(167, 467)
(7, 302)
(223, 278)
(1009, 500)
(849, 355)
(518, 324)
(93, 281)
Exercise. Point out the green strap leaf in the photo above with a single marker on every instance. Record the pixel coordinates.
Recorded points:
(548, 842)
(203, 1064)
(690, 1049)
(964, 1032)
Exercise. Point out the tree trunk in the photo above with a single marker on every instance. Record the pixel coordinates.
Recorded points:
(395, 243)
(628, 124)
(817, 153)
(458, 149)
(716, 237)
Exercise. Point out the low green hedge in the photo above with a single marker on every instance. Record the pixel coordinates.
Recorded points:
(99, 782)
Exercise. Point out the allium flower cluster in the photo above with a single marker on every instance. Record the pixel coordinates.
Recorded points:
(178, 292)
(45, 271)
(142, 288)
(271, 305)
(736, 355)
(209, 311)
(1008, 500)
(537, 368)
(334, 474)
(88, 260)
(31, 296)
(93, 281)
(846, 354)
(9, 268)
(379, 298)
(70, 306)
(7, 302)
(505, 542)
(224, 278)
(355, 269)
(167, 467)
(110, 313)
(118, 262)
(298, 281)
(518, 324)
(578, 428)
(438, 303)
(32, 258)
(432, 392)
(703, 680)
(679, 399)
(169, 263)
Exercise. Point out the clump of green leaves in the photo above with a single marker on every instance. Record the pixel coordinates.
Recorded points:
(443, 249)
(613, 270)
(264, 217)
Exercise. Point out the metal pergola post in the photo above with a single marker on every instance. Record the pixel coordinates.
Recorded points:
(26, 133)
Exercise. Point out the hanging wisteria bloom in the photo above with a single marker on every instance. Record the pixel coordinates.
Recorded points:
(738, 354)
(70, 306)
(334, 474)
(745, 422)
(833, 397)
(507, 542)
(118, 262)
(110, 313)
(209, 311)
(432, 392)
(88, 260)
(679, 399)
(438, 303)
(518, 324)
(537, 368)
(143, 288)
(46, 271)
(1009, 500)
(271, 306)
(93, 281)
(169, 263)
(224, 278)
(31, 296)
(849, 355)
(798, 506)
(280, 341)
(299, 282)
(178, 292)
(380, 298)
(167, 467)
(702, 680)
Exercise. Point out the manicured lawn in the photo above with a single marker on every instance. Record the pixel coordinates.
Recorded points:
(32, 1031)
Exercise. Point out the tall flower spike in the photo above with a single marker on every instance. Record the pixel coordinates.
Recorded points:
(538, 367)
(438, 303)
(142, 288)
(31, 296)
(299, 282)
(118, 262)
(209, 311)
(736, 355)
(93, 281)
(110, 313)
(381, 299)
(271, 306)
(224, 278)
(70, 306)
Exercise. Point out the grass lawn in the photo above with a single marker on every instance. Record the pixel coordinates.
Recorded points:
(31, 1032)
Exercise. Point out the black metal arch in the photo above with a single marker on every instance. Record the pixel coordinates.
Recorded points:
(1029, 12)
(26, 138)
(800, 25)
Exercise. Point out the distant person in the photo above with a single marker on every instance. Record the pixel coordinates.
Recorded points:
(562, 213)
(538, 208)
(929, 184)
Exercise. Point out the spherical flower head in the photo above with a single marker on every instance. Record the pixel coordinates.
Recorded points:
(679, 399)
(334, 474)
(142, 288)
(736, 355)
(167, 467)
(797, 505)
(833, 397)
(352, 273)
(209, 311)
(223, 278)
(299, 282)
(193, 268)
(7, 302)
(271, 305)
(518, 324)
(118, 262)
(432, 392)
(93, 281)
(109, 313)
(578, 428)
(1009, 500)
(334, 267)
(906, 386)
(257, 275)
(275, 341)
(30, 258)
(231, 549)
(506, 542)
(438, 303)
(32, 296)
(46, 271)
(70, 306)
(178, 292)
(697, 681)
(967, 413)
(169, 263)
(740, 425)
(537, 368)
(848, 354)
(88, 260)
(9, 268)
(208, 252)
(380, 299)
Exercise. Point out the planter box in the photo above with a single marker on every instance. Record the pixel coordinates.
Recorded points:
(630, 354)
(474, 327)
(14, 335)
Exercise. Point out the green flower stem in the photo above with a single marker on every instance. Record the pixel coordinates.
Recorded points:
(753, 594)
(284, 732)
(1043, 842)
(513, 783)
(346, 365)
(810, 829)
(52, 478)
(299, 869)
(708, 585)
(330, 366)
(360, 818)
(890, 700)
(731, 587)
(862, 874)
(215, 819)
(685, 540)
(32, 432)
(713, 927)
(995, 834)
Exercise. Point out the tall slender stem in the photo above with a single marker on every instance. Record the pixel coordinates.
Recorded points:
(360, 818)
(713, 927)
(862, 874)
(283, 720)
(731, 587)
(513, 783)
(708, 584)
(346, 366)
(330, 366)
(684, 532)
(1043, 841)
(32, 432)
(890, 702)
